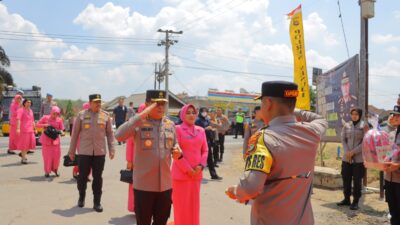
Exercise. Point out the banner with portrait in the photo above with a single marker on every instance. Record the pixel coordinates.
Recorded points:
(337, 93)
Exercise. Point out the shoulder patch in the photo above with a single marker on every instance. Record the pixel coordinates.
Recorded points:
(259, 158)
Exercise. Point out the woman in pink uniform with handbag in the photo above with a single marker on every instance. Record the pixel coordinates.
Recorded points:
(15, 105)
(187, 171)
(25, 130)
(51, 149)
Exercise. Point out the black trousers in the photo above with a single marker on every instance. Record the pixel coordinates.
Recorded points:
(215, 151)
(221, 142)
(96, 163)
(154, 206)
(210, 161)
(239, 128)
(392, 192)
(352, 172)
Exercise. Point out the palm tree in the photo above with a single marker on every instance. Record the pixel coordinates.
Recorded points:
(5, 77)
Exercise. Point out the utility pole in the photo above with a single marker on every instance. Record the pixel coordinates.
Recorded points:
(155, 76)
(167, 43)
(366, 12)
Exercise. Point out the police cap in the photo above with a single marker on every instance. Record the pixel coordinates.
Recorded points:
(396, 110)
(94, 97)
(279, 89)
(156, 96)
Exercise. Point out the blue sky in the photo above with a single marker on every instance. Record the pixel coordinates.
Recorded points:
(249, 36)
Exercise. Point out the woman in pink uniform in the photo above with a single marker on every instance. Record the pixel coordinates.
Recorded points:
(15, 105)
(25, 130)
(187, 171)
(51, 149)
(130, 156)
(75, 170)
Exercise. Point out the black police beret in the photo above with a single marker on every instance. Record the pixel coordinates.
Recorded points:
(94, 97)
(156, 96)
(279, 89)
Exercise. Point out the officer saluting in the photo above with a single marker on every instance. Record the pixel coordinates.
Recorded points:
(92, 127)
(280, 160)
(155, 141)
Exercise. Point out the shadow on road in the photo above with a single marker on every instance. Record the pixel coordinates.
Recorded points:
(364, 209)
(17, 164)
(72, 211)
(5, 155)
(70, 181)
(125, 220)
(37, 179)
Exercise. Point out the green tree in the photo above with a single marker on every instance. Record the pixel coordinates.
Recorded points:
(5, 76)
(69, 111)
(313, 98)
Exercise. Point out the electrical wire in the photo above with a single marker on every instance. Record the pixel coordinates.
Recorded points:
(344, 33)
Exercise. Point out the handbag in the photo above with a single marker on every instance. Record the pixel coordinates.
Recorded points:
(126, 176)
(51, 132)
(68, 162)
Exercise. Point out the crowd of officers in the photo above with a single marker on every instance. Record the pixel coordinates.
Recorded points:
(278, 189)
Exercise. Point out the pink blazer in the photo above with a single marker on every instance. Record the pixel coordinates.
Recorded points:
(57, 123)
(195, 151)
(130, 150)
(13, 113)
(27, 120)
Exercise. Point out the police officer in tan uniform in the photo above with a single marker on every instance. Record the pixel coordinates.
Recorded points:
(155, 142)
(250, 129)
(92, 127)
(280, 188)
(347, 101)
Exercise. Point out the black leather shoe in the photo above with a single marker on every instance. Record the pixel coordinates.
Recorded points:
(81, 201)
(344, 202)
(354, 205)
(216, 165)
(216, 177)
(10, 152)
(98, 208)
(46, 175)
(30, 152)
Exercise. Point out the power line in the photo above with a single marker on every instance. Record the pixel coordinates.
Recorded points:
(344, 33)
(71, 36)
(80, 42)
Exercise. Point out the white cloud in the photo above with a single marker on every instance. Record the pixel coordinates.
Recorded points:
(385, 38)
(316, 30)
(316, 60)
(396, 15)
(16, 26)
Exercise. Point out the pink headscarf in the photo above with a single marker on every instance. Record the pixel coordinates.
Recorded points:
(17, 96)
(55, 109)
(141, 107)
(184, 109)
(85, 105)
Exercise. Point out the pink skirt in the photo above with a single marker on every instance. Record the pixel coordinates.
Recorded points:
(26, 141)
(186, 201)
(12, 142)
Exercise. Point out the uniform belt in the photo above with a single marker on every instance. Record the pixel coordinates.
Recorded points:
(303, 175)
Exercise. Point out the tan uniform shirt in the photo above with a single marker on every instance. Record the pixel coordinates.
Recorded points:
(45, 109)
(92, 129)
(250, 130)
(225, 124)
(286, 149)
(154, 140)
(395, 175)
(352, 138)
